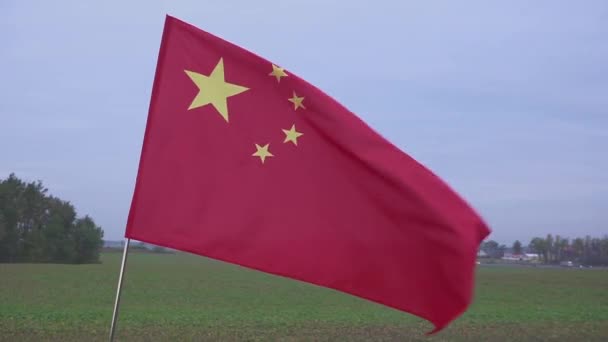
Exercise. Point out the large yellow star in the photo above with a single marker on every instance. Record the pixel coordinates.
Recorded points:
(214, 90)
(297, 101)
(262, 152)
(292, 135)
(278, 72)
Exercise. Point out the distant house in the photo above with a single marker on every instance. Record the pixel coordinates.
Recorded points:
(520, 257)
(532, 256)
(513, 257)
(482, 254)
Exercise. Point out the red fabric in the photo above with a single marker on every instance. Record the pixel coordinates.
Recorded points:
(343, 209)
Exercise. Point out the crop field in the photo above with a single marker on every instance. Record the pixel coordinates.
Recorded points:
(180, 297)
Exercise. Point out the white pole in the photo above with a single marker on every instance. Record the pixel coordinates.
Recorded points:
(117, 302)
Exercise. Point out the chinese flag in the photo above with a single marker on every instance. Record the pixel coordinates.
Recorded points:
(245, 162)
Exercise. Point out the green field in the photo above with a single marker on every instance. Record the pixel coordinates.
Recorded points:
(182, 297)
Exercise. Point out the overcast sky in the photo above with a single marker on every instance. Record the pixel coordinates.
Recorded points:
(507, 101)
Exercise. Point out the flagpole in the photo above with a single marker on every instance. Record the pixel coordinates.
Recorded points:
(118, 290)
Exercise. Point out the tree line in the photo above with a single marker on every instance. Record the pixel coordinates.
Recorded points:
(556, 249)
(587, 250)
(36, 227)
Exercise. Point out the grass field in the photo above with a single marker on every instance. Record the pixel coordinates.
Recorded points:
(182, 297)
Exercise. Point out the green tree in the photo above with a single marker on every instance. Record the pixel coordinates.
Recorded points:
(587, 249)
(35, 227)
(604, 249)
(501, 251)
(3, 228)
(59, 232)
(516, 247)
(491, 248)
(549, 248)
(3, 237)
(578, 248)
(88, 240)
(10, 190)
(539, 246)
(564, 250)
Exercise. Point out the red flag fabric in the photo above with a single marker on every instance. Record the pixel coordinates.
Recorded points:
(245, 162)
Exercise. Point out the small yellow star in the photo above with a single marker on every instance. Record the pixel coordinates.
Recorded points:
(278, 72)
(292, 135)
(297, 101)
(214, 90)
(262, 152)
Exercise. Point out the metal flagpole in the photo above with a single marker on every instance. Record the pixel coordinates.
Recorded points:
(117, 302)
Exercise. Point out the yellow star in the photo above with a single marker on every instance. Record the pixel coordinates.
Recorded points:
(292, 135)
(262, 152)
(278, 72)
(297, 101)
(214, 90)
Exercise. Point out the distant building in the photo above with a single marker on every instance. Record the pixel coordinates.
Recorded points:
(521, 257)
(532, 256)
(482, 254)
